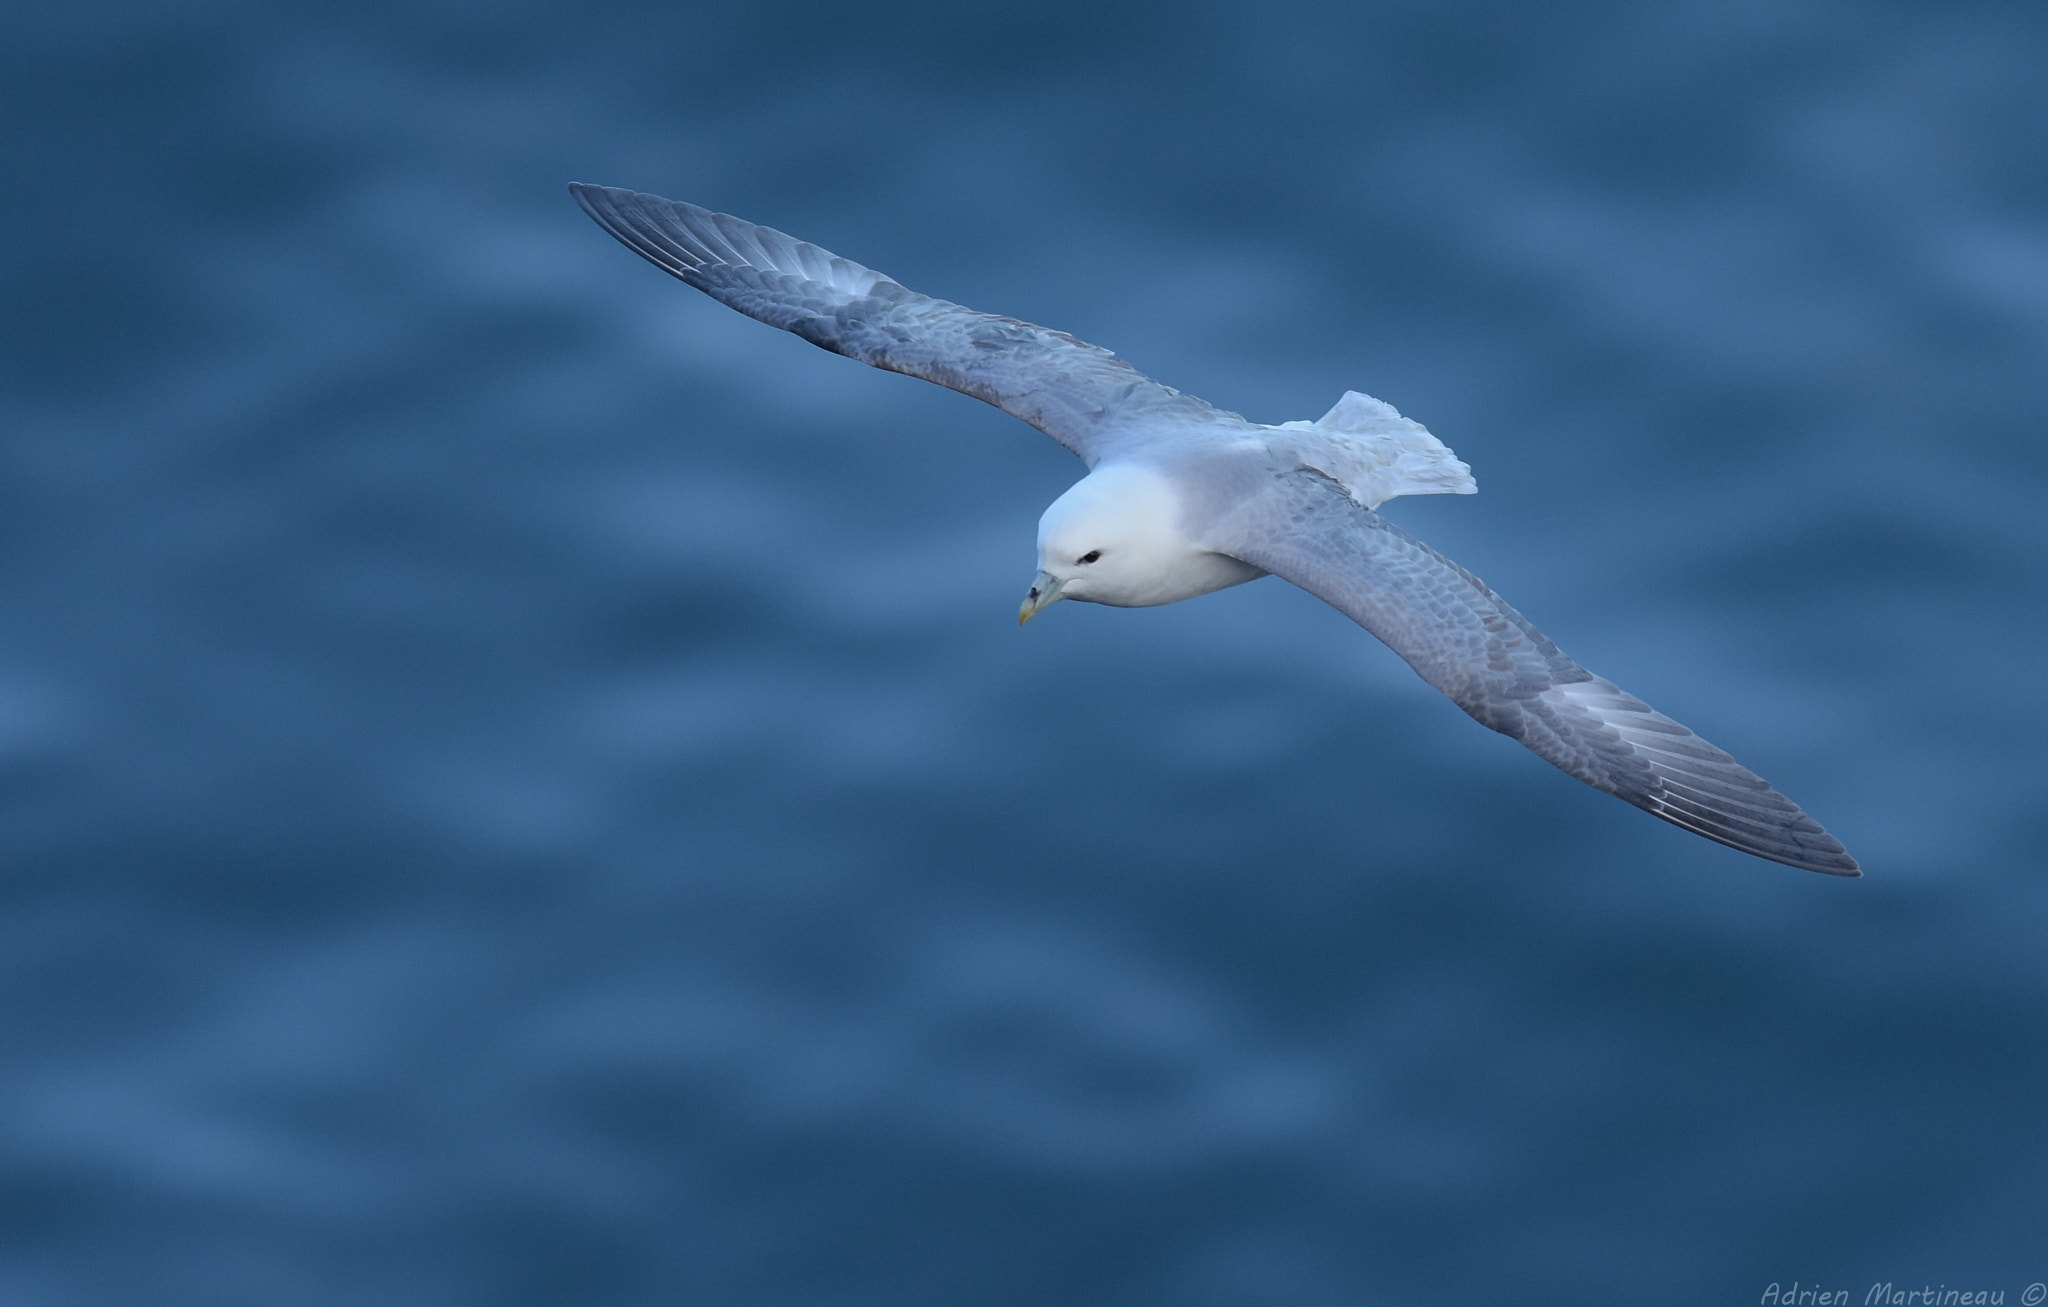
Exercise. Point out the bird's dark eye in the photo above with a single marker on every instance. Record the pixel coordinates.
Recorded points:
(1091, 555)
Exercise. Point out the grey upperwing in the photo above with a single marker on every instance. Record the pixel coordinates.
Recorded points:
(1079, 394)
(1464, 640)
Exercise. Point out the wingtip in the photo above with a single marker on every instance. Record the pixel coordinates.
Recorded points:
(587, 198)
(1828, 862)
(1829, 857)
(1834, 861)
(597, 199)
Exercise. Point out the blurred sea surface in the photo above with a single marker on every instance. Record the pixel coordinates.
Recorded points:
(518, 785)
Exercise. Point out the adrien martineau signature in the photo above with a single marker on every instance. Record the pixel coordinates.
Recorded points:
(1888, 1294)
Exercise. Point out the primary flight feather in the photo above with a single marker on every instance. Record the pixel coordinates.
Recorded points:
(1183, 498)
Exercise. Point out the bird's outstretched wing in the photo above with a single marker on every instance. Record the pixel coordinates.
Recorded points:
(1080, 395)
(1498, 667)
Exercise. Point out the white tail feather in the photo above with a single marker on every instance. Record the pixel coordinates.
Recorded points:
(1377, 454)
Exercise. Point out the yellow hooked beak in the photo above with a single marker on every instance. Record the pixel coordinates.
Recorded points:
(1045, 589)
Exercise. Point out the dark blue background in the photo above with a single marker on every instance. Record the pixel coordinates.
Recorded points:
(518, 785)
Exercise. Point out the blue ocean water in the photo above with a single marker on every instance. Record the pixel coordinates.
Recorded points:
(518, 785)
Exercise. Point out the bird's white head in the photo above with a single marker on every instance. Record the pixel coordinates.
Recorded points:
(1115, 538)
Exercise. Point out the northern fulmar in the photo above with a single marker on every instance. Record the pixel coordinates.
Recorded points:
(1182, 498)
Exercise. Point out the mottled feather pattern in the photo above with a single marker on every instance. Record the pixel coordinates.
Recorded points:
(1492, 662)
(1081, 395)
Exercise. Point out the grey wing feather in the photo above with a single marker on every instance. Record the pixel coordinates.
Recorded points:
(1080, 395)
(1464, 640)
